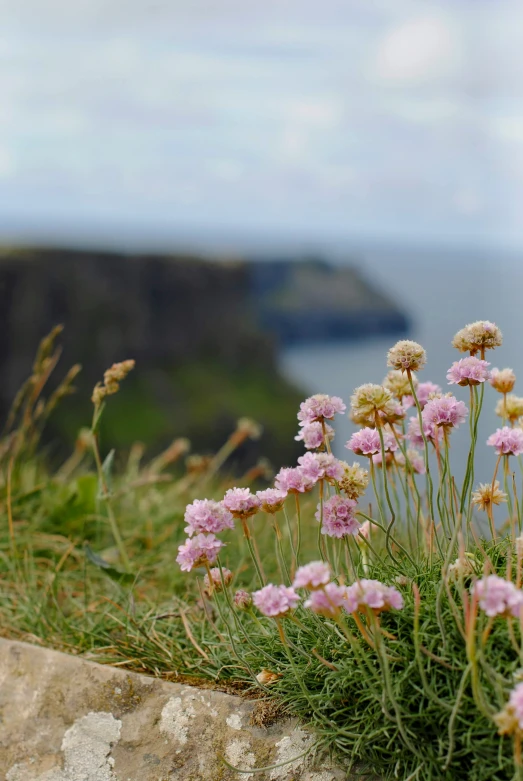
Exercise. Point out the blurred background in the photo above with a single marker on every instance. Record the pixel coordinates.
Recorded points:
(255, 200)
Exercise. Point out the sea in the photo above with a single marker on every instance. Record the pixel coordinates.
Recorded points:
(440, 292)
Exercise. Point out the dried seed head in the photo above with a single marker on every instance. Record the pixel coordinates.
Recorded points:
(398, 383)
(407, 355)
(266, 677)
(486, 495)
(510, 407)
(369, 399)
(481, 335)
(242, 600)
(354, 481)
(112, 379)
(502, 380)
(217, 584)
(506, 721)
(249, 428)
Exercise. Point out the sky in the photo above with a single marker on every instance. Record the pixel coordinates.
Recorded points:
(140, 121)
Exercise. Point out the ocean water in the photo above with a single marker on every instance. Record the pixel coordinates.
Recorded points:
(441, 293)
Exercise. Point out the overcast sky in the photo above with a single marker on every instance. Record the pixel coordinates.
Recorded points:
(307, 118)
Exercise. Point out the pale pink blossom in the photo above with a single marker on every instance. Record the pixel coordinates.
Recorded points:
(423, 392)
(271, 499)
(292, 480)
(339, 517)
(431, 432)
(242, 599)
(516, 703)
(374, 595)
(320, 466)
(275, 601)
(507, 441)
(206, 515)
(366, 442)
(311, 576)
(195, 551)
(320, 407)
(217, 578)
(241, 502)
(327, 601)
(415, 461)
(498, 597)
(444, 411)
(468, 371)
(311, 434)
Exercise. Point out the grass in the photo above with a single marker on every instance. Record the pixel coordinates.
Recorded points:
(398, 699)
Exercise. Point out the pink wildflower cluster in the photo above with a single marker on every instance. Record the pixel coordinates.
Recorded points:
(444, 411)
(199, 550)
(468, 371)
(338, 518)
(311, 434)
(423, 392)
(205, 515)
(373, 595)
(320, 407)
(321, 466)
(292, 480)
(312, 576)
(275, 601)
(507, 441)
(498, 597)
(366, 442)
(217, 578)
(516, 703)
(327, 601)
(241, 502)
(431, 432)
(271, 499)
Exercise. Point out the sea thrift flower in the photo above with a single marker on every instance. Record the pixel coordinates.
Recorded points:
(377, 459)
(320, 407)
(369, 399)
(432, 433)
(415, 460)
(398, 383)
(510, 407)
(407, 355)
(481, 335)
(311, 434)
(354, 480)
(311, 576)
(216, 579)
(366, 442)
(463, 566)
(241, 503)
(392, 412)
(338, 517)
(510, 719)
(498, 597)
(485, 496)
(275, 601)
(502, 380)
(242, 600)
(272, 499)
(374, 595)
(320, 466)
(468, 371)
(446, 411)
(327, 601)
(195, 551)
(424, 392)
(205, 515)
(292, 480)
(507, 441)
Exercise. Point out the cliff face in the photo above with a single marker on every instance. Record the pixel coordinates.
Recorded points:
(201, 361)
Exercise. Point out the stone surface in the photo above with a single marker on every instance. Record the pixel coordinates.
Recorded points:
(63, 718)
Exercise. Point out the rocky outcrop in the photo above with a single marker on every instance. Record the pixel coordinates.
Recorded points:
(63, 718)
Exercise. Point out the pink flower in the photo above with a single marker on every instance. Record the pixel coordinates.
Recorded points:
(216, 578)
(205, 515)
(414, 436)
(311, 576)
(366, 442)
(498, 597)
(507, 441)
(468, 371)
(240, 502)
(424, 390)
(516, 702)
(272, 499)
(338, 517)
(275, 601)
(292, 480)
(327, 601)
(374, 595)
(444, 411)
(242, 599)
(318, 466)
(311, 434)
(415, 463)
(320, 407)
(195, 551)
